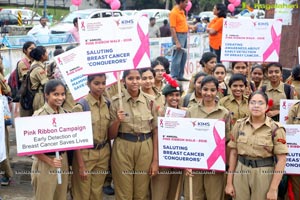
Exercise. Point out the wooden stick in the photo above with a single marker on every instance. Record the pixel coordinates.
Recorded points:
(119, 91)
(178, 189)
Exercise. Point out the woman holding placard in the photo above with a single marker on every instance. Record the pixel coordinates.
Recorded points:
(44, 166)
(294, 180)
(207, 185)
(134, 130)
(5, 168)
(90, 166)
(164, 185)
(254, 141)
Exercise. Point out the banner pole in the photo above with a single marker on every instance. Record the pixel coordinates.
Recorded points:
(58, 169)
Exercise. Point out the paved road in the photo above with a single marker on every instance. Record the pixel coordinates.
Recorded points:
(20, 187)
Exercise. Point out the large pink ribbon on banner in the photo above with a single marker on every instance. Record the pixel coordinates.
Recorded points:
(144, 47)
(275, 45)
(218, 151)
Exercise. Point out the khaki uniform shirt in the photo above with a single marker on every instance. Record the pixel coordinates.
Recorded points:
(38, 75)
(112, 90)
(237, 110)
(47, 110)
(294, 114)
(276, 94)
(5, 89)
(258, 143)
(158, 98)
(141, 113)
(163, 84)
(198, 111)
(23, 69)
(296, 85)
(192, 101)
(100, 117)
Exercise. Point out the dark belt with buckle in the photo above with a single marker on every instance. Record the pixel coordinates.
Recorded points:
(98, 146)
(135, 137)
(263, 162)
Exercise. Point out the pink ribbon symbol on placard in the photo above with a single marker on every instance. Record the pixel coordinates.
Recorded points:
(275, 45)
(82, 25)
(53, 121)
(59, 61)
(161, 123)
(144, 47)
(218, 151)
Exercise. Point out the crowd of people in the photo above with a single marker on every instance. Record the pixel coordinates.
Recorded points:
(256, 146)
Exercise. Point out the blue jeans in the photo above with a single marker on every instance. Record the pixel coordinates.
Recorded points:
(179, 57)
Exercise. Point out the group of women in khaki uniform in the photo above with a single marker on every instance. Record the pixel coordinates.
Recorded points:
(131, 121)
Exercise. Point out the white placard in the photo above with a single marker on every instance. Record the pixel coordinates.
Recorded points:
(72, 68)
(285, 105)
(191, 143)
(254, 40)
(293, 141)
(50, 133)
(114, 44)
(173, 112)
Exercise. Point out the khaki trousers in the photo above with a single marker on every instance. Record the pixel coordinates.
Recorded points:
(164, 185)
(44, 180)
(97, 169)
(130, 164)
(252, 183)
(206, 186)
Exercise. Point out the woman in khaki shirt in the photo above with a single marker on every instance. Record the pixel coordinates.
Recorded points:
(163, 185)
(44, 182)
(255, 140)
(147, 86)
(208, 184)
(236, 102)
(38, 75)
(133, 127)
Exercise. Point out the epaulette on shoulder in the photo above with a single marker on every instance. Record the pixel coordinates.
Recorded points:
(279, 125)
(116, 97)
(39, 111)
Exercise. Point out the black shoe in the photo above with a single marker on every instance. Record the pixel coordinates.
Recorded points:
(183, 79)
(108, 190)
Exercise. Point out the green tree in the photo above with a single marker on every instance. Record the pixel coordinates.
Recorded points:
(207, 5)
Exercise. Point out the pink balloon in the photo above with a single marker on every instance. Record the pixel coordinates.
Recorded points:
(108, 1)
(76, 2)
(188, 7)
(115, 5)
(236, 3)
(231, 1)
(231, 7)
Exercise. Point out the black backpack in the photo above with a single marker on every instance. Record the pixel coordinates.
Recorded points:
(27, 94)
